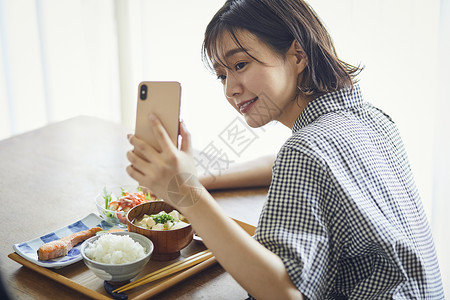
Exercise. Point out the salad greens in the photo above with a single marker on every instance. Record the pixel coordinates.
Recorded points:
(118, 206)
(148, 195)
(107, 198)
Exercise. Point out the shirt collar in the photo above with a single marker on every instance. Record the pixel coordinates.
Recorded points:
(345, 98)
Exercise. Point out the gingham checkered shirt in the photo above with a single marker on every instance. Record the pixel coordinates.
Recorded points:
(343, 212)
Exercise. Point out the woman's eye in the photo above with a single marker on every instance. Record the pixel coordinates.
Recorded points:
(240, 65)
(221, 77)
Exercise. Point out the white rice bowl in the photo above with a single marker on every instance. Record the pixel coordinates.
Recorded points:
(117, 256)
(114, 249)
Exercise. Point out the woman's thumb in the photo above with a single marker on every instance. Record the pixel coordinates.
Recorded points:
(185, 138)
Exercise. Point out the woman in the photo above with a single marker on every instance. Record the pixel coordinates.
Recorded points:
(343, 217)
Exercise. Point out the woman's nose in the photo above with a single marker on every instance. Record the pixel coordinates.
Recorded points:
(232, 86)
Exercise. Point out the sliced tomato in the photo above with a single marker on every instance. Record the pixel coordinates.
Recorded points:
(122, 218)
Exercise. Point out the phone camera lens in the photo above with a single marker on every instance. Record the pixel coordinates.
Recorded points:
(143, 92)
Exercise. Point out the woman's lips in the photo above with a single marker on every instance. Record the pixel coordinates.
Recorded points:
(247, 105)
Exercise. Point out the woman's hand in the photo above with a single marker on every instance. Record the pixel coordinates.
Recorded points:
(170, 173)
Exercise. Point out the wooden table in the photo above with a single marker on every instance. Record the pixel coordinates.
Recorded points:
(49, 178)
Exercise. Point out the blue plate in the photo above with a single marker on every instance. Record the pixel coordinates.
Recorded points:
(28, 250)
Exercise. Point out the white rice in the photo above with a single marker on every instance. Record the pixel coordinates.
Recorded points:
(114, 249)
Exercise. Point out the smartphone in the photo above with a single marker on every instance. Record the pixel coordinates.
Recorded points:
(162, 98)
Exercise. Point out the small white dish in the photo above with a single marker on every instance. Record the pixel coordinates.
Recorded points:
(28, 250)
(118, 272)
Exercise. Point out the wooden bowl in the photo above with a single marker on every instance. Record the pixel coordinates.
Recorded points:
(168, 243)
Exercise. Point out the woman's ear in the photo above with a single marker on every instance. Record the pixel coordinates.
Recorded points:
(301, 59)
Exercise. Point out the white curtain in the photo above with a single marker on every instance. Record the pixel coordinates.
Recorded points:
(58, 60)
(441, 160)
(62, 58)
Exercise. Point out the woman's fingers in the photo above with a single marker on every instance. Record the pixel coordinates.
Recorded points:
(160, 169)
(137, 161)
(135, 174)
(161, 134)
(141, 148)
(186, 142)
(139, 164)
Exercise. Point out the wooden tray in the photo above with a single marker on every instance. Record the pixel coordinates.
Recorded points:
(78, 277)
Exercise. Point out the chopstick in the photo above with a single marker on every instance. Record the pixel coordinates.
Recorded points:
(168, 270)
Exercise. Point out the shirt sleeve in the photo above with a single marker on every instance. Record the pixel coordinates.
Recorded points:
(292, 223)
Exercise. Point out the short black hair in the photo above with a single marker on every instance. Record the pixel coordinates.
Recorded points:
(278, 23)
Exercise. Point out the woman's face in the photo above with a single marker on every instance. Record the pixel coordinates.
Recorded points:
(261, 90)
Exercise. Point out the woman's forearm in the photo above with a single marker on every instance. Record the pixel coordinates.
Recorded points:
(171, 174)
(259, 271)
(254, 173)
